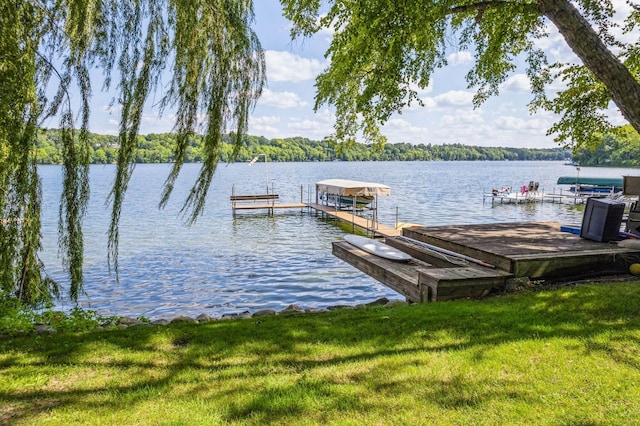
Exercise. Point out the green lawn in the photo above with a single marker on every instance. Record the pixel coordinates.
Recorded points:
(569, 356)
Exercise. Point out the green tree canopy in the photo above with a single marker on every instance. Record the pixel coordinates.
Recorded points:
(383, 49)
(215, 66)
(620, 148)
(155, 148)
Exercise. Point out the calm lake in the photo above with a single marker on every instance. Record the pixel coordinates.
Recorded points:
(226, 264)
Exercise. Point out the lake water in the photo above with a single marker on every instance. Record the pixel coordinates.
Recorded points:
(226, 264)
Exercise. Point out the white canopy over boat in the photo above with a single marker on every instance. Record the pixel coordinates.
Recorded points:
(351, 188)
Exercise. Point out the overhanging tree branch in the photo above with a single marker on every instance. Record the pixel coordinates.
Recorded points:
(366, 36)
(481, 6)
(589, 47)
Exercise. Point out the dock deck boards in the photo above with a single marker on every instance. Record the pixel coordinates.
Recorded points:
(523, 198)
(400, 277)
(536, 250)
(258, 206)
(507, 238)
(269, 203)
(364, 223)
(423, 281)
(533, 249)
(260, 202)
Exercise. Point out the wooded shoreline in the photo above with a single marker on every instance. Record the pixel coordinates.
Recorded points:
(621, 149)
(157, 148)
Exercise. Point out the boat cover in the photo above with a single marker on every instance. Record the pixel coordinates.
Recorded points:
(351, 188)
(596, 181)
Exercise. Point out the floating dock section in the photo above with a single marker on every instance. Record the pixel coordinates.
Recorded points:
(494, 253)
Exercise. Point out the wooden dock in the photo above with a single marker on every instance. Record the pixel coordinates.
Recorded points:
(269, 206)
(369, 225)
(270, 202)
(342, 193)
(517, 198)
(535, 250)
(462, 261)
(267, 202)
(529, 249)
(424, 278)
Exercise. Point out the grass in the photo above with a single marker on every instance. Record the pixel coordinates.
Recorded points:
(569, 356)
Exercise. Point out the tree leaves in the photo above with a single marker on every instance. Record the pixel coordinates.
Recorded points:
(217, 73)
(381, 48)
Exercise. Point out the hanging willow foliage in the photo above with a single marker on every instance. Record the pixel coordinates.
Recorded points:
(216, 72)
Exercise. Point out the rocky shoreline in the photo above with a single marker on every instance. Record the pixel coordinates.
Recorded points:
(126, 322)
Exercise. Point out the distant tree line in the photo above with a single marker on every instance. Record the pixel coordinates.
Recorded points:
(156, 148)
(618, 149)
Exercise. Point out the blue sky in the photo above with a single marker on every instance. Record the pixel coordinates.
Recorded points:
(286, 107)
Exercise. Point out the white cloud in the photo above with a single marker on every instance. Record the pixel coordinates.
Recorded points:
(460, 58)
(622, 9)
(110, 129)
(401, 130)
(469, 128)
(399, 124)
(516, 83)
(281, 100)
(265, 119)
(266, 126)
(317, 127)
(615, 116)
(307, 125)
(285, 66)
(516, 124)
(555, 46)
(422, 91)
(455, 98)
(150, 122)
(429, 103)
(473, 117)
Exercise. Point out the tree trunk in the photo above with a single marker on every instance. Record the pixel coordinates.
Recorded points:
(587, 45)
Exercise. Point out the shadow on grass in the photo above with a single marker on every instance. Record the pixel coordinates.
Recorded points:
(276, 369)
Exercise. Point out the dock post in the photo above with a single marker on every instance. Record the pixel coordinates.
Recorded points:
(353, 214)
(375, 213)
(233, 203)
(396, 217)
